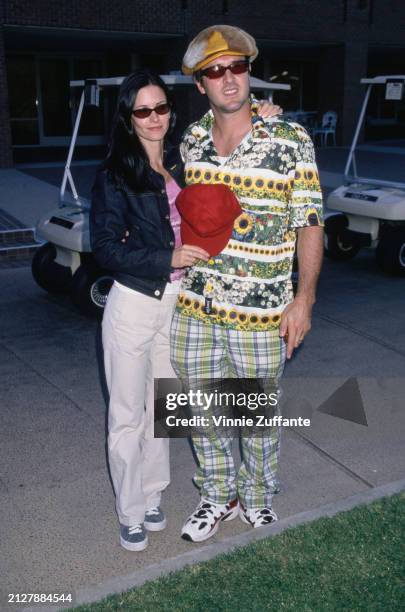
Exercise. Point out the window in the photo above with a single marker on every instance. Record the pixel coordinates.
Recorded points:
(23, 99)
(54, 79)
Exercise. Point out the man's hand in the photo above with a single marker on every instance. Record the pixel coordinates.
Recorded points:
(268, 109)
(187, 255)
(295, 323)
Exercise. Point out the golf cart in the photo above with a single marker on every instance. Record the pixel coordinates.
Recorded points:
(370, 212)
(64, 263)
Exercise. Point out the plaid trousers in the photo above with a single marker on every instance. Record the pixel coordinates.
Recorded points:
(201, 351)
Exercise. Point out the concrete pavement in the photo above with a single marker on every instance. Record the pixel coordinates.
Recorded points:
(59, 530)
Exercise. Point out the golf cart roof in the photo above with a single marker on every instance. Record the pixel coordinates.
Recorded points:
(350, 172)
(382, 80)
(177, 79)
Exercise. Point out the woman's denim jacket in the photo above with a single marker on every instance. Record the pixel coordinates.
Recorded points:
(143, 261)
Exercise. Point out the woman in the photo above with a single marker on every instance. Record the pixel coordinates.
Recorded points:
(134, 194)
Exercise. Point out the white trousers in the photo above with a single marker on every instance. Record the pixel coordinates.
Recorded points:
(136, 332)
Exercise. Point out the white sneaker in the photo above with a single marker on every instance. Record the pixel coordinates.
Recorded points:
(257, 517)
(204, 522)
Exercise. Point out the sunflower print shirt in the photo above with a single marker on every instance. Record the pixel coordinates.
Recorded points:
(274, 175)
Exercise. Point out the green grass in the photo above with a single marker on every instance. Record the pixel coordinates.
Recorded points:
(354, 561)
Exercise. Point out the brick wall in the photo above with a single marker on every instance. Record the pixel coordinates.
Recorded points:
(387, 22)
(6, 158)
(343, 30)
(294, 20)
(128, 15)
(309, 20)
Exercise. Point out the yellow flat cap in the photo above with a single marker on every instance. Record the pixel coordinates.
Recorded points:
(215, 41)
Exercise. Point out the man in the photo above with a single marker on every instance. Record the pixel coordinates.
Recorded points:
(236, 315)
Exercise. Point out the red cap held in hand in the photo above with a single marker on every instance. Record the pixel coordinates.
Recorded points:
(207, 214)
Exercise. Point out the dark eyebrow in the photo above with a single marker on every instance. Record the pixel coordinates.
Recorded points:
(146, 106)
(216, 66)
(230, 64)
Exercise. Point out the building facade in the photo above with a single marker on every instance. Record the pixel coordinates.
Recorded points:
(321, 48)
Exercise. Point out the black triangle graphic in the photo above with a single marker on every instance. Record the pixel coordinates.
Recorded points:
(346, 403)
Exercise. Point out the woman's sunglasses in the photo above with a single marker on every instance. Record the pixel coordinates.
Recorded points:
(217, 71)
(143, 113)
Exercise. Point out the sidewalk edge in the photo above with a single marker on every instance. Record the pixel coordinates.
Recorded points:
(120, 584)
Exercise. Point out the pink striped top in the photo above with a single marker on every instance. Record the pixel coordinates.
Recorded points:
(172, 190)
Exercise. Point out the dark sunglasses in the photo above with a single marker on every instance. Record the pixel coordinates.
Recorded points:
(143, 113)
(218, 71)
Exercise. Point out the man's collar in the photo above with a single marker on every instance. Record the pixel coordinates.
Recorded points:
(202, 130)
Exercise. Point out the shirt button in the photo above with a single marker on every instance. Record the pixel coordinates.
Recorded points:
(171, 243)
(157, 292)
(167, 217)
(163, 191)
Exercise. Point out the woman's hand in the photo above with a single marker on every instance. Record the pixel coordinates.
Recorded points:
(268, 109)
(187, 255)
(184, 256)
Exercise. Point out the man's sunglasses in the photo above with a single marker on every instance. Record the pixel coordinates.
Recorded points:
(218, 71)
(143, 113)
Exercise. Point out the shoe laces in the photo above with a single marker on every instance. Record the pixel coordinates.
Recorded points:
(137, 528)
(154, 510)
(206, 506)
(266, 514)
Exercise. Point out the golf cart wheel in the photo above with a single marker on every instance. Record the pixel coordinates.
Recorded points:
(90, 288)
(391, 253)
(337, 245)
(48, 274)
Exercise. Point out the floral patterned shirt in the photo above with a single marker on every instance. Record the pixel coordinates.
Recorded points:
(274, 175)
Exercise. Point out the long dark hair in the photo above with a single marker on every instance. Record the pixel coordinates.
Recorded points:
(127, 160)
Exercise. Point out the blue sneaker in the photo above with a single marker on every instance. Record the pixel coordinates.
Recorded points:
(134, 537)
(155, 519)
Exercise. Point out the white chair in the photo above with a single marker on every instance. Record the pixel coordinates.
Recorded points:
(328, 127)
(290, 115)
